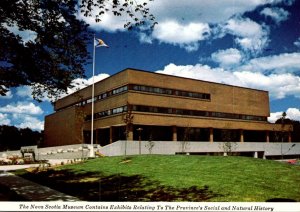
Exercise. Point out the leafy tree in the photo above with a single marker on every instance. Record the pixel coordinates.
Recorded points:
(57, 53)
(138, 13)
(296, 128)
(12, 138)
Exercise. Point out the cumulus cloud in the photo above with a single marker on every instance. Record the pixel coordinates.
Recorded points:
(186, 36)
(297, 42)
(22, 115)
(108, 22)
(81, 83)
(22, 108)
(291, 113)
(4, 120)
(277, 14)
(250, 35)
(228, 57)
(28, 121)
(8, 95)
(77, 84)
(24, 92)
(144, 38)
(282, 63)
(278, 85)
(201, 72)
(212, 11)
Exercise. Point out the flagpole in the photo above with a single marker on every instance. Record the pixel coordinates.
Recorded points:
(92, 153)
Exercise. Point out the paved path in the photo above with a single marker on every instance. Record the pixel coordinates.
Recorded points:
(32, 191)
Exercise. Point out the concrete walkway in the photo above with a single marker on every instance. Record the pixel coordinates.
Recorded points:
(32, 191)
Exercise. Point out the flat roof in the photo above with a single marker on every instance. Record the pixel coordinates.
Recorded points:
(151, 72)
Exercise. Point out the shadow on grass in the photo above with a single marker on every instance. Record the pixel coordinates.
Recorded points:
(91, 186)
(281, 200)
(8, 195)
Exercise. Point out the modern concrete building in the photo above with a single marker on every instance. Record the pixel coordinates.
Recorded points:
(164, 108)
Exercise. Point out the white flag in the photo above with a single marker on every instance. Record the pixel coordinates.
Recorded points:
(99, 43)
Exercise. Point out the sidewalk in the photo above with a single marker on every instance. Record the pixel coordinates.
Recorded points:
(32, 191)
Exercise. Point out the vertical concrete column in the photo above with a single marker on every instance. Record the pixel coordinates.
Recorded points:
(110, 134)
(241, 135)
(268, 136)
(255, 155)
(211, 134)
(290, 137)
(174, 137)
(130, 133)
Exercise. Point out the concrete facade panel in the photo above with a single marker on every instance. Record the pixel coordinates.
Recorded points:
(224, 98)
(62, 128)
(183, 121)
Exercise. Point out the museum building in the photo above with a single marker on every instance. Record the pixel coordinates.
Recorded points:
(162, 107)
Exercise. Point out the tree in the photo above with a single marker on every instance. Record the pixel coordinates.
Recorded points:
(57, 52)
(186, 139)
(12, 138)
(228, 145)
(296, 129)
(138, 13)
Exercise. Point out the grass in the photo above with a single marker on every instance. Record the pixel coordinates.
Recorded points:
(175, 178)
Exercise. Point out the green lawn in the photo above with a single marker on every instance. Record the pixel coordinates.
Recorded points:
(175, 178)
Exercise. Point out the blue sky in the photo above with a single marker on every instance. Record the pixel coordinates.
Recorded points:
(253, 43)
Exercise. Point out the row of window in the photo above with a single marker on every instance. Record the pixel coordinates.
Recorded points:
(149, 109)
(141, 108)
(169, 91)
(107, 113)
(104, 95)
(148, 89)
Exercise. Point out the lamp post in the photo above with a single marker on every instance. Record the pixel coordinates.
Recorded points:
(140, 131)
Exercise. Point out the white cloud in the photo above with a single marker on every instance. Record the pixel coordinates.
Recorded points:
(250, 35)
(291, 113)
(77, 84)
(282, 63)
(297, 42)
(228, 57)
(26, 35)
(211, 11)
(144, 38)
(4, 120)
(278, 85)
(22, 115)
(24, 92)
(185, 12)
(201, 72)
(28, 121)
(274, 117)
(81, 83)
(185, 23)
(109, 22)
(186, 36)
(8, 95)
(22, 108)
(277, 14)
